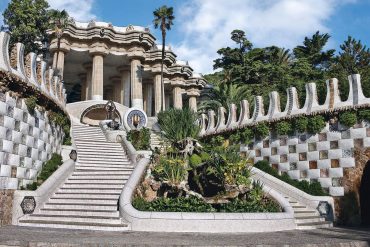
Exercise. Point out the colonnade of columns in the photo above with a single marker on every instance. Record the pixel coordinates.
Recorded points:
(127, 88)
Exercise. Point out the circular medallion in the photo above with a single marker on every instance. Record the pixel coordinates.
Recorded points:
(135, 119)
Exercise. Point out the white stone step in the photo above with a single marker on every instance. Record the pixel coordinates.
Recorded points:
(98, 178)
(95, 181)
(75, 225)
(314, 225)
(90, 168)
(96, 160)
(47, 211)
(89, 191)
(68, 218)
(93, 186)
(82, 202)
(115, 155)
(97, 149)
(86, 196)
(127, 171)
(308, 219)
(92, 207)
(104, 143)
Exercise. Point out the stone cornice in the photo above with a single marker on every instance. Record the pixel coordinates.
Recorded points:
(98, 48)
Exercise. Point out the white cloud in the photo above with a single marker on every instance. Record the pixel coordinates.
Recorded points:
(207, 27)
(80, 10)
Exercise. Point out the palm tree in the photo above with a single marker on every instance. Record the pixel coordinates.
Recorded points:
(163, 18)
(59, 21)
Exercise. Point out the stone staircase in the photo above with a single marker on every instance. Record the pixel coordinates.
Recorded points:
(156, 140)
(307, 218)
(88, 199)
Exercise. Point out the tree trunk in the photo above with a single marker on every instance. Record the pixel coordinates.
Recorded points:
(163, 55)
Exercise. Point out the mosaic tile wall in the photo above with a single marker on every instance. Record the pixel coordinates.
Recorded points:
(321, 157)
(26, 141)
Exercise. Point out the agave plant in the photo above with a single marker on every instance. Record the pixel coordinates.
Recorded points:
(178, 124)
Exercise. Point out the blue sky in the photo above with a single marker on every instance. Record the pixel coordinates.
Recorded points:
(203, 26)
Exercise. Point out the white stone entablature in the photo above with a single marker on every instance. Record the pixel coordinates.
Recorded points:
(109, 49)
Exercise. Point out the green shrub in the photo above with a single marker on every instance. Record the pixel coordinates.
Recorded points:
(261, 130)
(31, 104)
(364, 115)
(67, 141)
(348, 118)
(316, 124)
(313, 188)
(246, 135)
(300, 124)
(283, 128)
(50, 166)
(170, 170)
(178, 124)
(179, 204)
(140, 139)
(193, 204)
(205, 156)
(234, 138)
(195, 160)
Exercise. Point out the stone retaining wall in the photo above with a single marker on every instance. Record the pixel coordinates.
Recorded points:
(6, 202)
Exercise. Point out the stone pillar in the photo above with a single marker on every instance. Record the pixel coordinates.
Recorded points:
(177, 97)
(148, 98)
(117, 89)
(167, 101)
(98, 51)
(136, 84)
(88, 88)
(125, 84)
(157, 94)
(59, 52)
(97, 77)
(83, 79)
(193, 94)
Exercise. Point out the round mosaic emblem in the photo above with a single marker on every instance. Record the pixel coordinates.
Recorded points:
(135, 119)
(28, 204)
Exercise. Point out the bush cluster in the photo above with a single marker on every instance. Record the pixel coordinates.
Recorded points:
(348, 118)
(140, 139)
(48, 168)
(193, 204)
(31, 103)
(313, 188)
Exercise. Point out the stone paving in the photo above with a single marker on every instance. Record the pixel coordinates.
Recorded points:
(27, 236)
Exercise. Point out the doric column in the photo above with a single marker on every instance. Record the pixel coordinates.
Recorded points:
(125, 84)
(157, 94)
(193, 94)
(136, 84)
(117, 89)
(167, 99)
(83, 79)
(148, 98)
(97, 77)
(177, 97)
(88, 88)
(59, 54)
(98, 51)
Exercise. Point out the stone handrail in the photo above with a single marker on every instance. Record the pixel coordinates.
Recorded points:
(128, 147)
(30, 70)
(200, 222)
(43, 192)
(289, 190)
(225, 122)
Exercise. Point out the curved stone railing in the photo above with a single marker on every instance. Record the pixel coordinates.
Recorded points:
(299, 195)
(198, 222)
(41, 195)
(228, 121)
(31, 71)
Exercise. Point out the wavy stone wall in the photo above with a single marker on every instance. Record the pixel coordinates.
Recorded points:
(228, 119)
(26, 140)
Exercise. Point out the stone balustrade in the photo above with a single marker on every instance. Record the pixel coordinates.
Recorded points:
(228, 119)
(31, 70)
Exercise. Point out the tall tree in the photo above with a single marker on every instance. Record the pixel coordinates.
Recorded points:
(313, 50)
(163, 19)
(28, 21)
